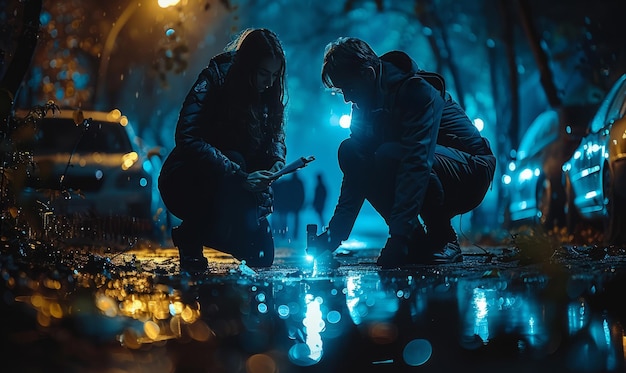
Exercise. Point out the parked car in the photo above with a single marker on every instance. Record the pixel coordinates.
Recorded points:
(90, 165)
(595, 174)
(532, 185)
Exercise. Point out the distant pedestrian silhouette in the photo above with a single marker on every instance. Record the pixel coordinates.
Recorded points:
(288, 202)
(319, 198)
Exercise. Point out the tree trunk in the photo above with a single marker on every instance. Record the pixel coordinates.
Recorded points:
(427, 15)
(26, 43)
(547, 79)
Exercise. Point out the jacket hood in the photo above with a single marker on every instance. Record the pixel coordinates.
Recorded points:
(398, 65)
(402, 66)
(222, 63)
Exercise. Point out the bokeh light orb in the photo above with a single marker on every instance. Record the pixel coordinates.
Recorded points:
(417, 352)
(300, 354)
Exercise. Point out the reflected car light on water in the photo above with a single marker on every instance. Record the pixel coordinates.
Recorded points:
(358, 319)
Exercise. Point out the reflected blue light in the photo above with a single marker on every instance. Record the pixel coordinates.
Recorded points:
(314, 324)
(299, 354)
(262, 308)
(170, 32)
(333, 120)
(283, 311)
(481, 311)
(367, 301)
(354, 244)
(333, 317)
(607, 333)
(578, 154)
(506, 179)
(143, 182)
(417, 352)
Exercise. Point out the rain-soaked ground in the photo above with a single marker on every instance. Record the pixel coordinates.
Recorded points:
(520, 307)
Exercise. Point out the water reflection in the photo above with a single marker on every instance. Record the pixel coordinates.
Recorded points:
(358, 320)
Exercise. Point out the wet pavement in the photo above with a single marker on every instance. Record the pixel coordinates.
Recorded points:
(129, 310)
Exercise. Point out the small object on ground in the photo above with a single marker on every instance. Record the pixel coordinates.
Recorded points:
(245, 270)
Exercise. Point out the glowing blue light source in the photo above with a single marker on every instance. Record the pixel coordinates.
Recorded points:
(479, 123)
(170, 32)
(344, 121)
(526, 174)
(143, 182)
(512, 166)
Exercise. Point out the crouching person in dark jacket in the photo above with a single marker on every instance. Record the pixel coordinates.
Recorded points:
(412, 153)
(229, 141)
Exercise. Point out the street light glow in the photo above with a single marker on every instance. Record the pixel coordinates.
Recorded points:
(345, 120)
(167, 3)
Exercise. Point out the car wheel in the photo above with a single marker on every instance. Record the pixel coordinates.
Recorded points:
(572, 217)
(614, 220)
(550, 205)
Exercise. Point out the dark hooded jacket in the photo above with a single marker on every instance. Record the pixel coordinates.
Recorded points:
(208, 127)
(414, 109)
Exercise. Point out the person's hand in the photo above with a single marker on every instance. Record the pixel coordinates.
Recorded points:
(258, 181)
(279, 165)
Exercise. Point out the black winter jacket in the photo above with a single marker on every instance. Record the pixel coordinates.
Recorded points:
(413, 109)
(207, 127)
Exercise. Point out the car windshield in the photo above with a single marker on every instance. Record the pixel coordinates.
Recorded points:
(59, 135)
(541, 132)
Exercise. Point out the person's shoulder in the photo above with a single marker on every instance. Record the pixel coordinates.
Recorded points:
(415, 87)
(224, 58)
(218, 66)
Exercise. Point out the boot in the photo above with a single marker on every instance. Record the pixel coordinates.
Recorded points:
(446, 248)
(192, 260)
(439, 246)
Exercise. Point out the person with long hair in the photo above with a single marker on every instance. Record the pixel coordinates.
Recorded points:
(229, 141)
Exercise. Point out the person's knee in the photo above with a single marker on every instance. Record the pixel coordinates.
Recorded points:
(347, 154)
(389, 153)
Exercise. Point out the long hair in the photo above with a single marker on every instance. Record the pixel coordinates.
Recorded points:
(347, 55)
(252, 46)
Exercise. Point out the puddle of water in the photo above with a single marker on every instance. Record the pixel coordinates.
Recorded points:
(286, 320)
